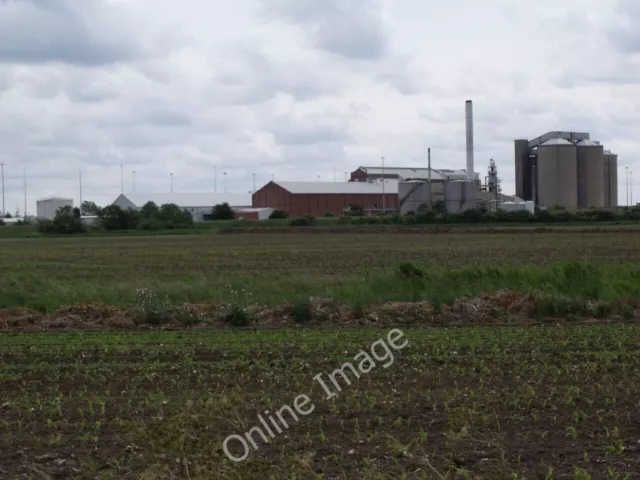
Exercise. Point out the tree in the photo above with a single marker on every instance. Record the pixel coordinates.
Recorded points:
(222, 212)
(278, 214)
(172, 216)
(112, 217)
(150, 211)
(90, 208)
(66, 220)
(7, 215)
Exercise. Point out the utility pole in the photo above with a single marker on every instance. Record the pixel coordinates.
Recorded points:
(134, 181)
(171, 175)
(215, 183)
(80, 178)
(121, 179)
(4, 212)
(25, 193)
(335, 179)
(225, 182)
(384, 199)
(429, 175)
(254, 183)
(631, 188)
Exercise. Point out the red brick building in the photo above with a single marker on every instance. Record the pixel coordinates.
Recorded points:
(318, 198)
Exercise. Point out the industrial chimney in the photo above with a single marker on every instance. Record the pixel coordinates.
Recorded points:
(469, 117)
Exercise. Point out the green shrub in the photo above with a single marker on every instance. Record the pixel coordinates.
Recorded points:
(301, 312)
(238, 317)
(278, 215)
(409, 270)
(306, 221)
(329, 215)
(344, 220)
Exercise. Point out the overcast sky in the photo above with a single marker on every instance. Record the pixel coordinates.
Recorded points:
(296, 88)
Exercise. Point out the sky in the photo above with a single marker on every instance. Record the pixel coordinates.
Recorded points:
(300, 89)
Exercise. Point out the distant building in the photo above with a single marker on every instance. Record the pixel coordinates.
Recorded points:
(567, 169)
(198, 204)
(318, 198)
(46, 208)
(364, 174)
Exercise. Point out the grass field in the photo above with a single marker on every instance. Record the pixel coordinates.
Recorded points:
(556, 398)
(270, 269)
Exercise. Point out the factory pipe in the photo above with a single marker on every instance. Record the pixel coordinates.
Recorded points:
(469, 122)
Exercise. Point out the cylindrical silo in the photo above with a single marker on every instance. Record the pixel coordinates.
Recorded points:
(453, 196)
(521, 155)
(557, 173)
(590, 174)
(611, 179)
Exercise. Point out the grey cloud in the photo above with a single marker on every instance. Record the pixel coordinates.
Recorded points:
(624, 34)
(36, 31)
(352, 29)
(251, 77)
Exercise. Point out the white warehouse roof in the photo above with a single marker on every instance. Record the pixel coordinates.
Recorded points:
(188, 199)
(329, 188)
(408, 172)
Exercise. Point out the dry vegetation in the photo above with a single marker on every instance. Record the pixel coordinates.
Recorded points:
(529, 368)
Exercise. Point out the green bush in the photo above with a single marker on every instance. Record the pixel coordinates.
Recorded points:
(278, 215)
(344, 220)
(222, 211)
(329, 214)
(306, 221)
(66, 221)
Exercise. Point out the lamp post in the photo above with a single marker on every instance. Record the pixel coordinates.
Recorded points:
(225, 182)
(215, 183)
(121, 178)
(4, 212)
(134, 181)
(384, 200)
(171, 175)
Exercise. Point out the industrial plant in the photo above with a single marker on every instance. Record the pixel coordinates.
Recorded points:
(566, 169)
(557, 169)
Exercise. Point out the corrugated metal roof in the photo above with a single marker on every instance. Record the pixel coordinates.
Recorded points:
(190, 199)
(587, 143)
(329, 188)
(409, 172)
(254, 210)
(556, 141)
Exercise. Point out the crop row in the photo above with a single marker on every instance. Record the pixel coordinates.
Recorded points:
(481, 402)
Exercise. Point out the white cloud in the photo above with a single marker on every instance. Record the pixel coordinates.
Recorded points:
(297, 88)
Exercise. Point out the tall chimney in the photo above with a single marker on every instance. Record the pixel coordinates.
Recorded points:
(469, 117)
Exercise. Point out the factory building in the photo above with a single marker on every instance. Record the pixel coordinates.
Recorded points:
(365, 174)
(567, 169)
(46, 208)
(318, 198)
(199, 205)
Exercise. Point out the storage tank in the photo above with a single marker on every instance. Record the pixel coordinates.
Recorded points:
(521, 155)
(453, 196)
(46, 208)
(412, 195)
(557, 173)
(470, 196)
(610, 168)
(590, 174)
(460, 196)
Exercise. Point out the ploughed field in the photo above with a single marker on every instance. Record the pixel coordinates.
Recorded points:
(476, 402)
(154, 373)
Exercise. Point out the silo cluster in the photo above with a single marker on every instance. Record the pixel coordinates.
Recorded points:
(566, 169)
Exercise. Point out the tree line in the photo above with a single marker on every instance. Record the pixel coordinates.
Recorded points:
(112, 218)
